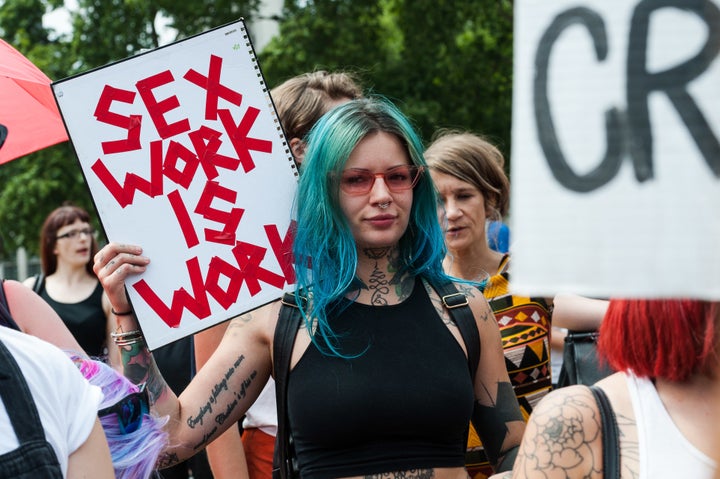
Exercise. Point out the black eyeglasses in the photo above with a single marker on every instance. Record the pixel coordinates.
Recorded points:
(129, 410)
(357, 181)
(75, 233)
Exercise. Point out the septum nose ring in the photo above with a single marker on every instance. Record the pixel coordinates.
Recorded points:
(384, 205)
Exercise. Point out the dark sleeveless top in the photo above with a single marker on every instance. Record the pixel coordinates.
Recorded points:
(86, 320)
(403, 403)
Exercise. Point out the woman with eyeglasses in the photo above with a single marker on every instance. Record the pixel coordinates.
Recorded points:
(380, 382)
(68, 283)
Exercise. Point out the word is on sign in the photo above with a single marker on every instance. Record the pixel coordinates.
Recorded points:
(184, 155)
(616, 148)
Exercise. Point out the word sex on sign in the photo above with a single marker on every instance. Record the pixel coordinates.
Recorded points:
(187, 142)
(629, 133)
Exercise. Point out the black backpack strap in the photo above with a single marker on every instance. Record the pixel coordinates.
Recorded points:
(6, 318)
(39, 283)
(457, 304)
(611, 446)
(289, 320)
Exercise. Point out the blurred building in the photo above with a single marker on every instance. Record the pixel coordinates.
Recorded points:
(265, 26)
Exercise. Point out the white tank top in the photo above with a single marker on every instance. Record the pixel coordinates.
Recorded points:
(263, 413)
(664, 452)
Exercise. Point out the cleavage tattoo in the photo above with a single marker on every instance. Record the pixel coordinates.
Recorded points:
(380, 281)
(379, 286)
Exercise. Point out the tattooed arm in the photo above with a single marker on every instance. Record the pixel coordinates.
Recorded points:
(563, 437)
(226, 454)
(223, 389)
(496, 416)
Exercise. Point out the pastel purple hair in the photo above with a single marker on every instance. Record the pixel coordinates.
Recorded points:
(133, 454)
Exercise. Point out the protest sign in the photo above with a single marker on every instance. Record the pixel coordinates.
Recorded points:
(616, 148)
(184, 155)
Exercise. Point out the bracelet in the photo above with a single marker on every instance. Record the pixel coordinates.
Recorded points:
(126, 334)
(121, 313)
(129, 342)
(127, 338)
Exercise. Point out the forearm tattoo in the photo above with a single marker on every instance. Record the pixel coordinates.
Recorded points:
(212, 411)
(410, 474)
(491, 422)
(167, 459)
(139, 368)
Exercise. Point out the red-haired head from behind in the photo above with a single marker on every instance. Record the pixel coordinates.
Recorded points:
(661, 338)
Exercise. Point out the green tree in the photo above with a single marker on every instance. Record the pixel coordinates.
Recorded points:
(103, 31)
(447, 63)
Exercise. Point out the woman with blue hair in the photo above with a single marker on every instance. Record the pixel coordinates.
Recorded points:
(379, 380)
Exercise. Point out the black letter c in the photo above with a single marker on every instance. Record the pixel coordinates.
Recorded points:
(562, 172)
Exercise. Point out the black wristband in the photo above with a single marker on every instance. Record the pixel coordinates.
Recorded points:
(121, 313)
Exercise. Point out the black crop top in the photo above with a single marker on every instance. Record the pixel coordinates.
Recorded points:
(404, 403)
(86, 320)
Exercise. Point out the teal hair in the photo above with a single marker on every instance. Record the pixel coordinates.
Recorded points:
(324, 249)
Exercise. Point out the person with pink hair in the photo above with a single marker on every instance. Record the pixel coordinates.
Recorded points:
(135, 436)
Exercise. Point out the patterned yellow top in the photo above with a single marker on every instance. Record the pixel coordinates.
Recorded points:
(525, 329)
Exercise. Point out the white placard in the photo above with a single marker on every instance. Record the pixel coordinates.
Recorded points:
(615, 148)
(184, 155)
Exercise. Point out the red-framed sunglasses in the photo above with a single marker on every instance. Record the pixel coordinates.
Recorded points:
(358, 181)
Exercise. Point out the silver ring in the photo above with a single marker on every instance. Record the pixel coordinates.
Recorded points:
(384, 205)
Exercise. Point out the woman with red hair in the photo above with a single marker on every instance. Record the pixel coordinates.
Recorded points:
(664, 399)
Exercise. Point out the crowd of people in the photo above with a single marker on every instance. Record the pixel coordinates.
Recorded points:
(412, 356)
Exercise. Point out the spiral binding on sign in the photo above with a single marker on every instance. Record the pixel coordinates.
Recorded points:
(268, 99)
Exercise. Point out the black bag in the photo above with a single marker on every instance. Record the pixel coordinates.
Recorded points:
(580, 360)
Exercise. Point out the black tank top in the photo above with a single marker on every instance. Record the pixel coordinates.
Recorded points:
(403, 403)
(86, 320)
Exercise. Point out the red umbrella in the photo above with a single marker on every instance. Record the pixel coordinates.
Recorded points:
(29, 117)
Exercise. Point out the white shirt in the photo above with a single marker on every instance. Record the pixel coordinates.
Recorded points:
(263, 413)
(664, 451)
(66, 402)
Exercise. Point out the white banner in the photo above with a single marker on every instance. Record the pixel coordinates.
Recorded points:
(615, 149)
(184, 155)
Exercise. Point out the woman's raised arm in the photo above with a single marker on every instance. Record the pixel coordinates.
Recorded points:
(223, 389)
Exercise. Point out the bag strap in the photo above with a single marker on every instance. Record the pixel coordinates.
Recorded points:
(457, 304)
(289, 321)
(39, 282)
(610, 443)
(6, 318)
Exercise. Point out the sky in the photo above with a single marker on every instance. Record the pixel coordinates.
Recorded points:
(59, 20)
